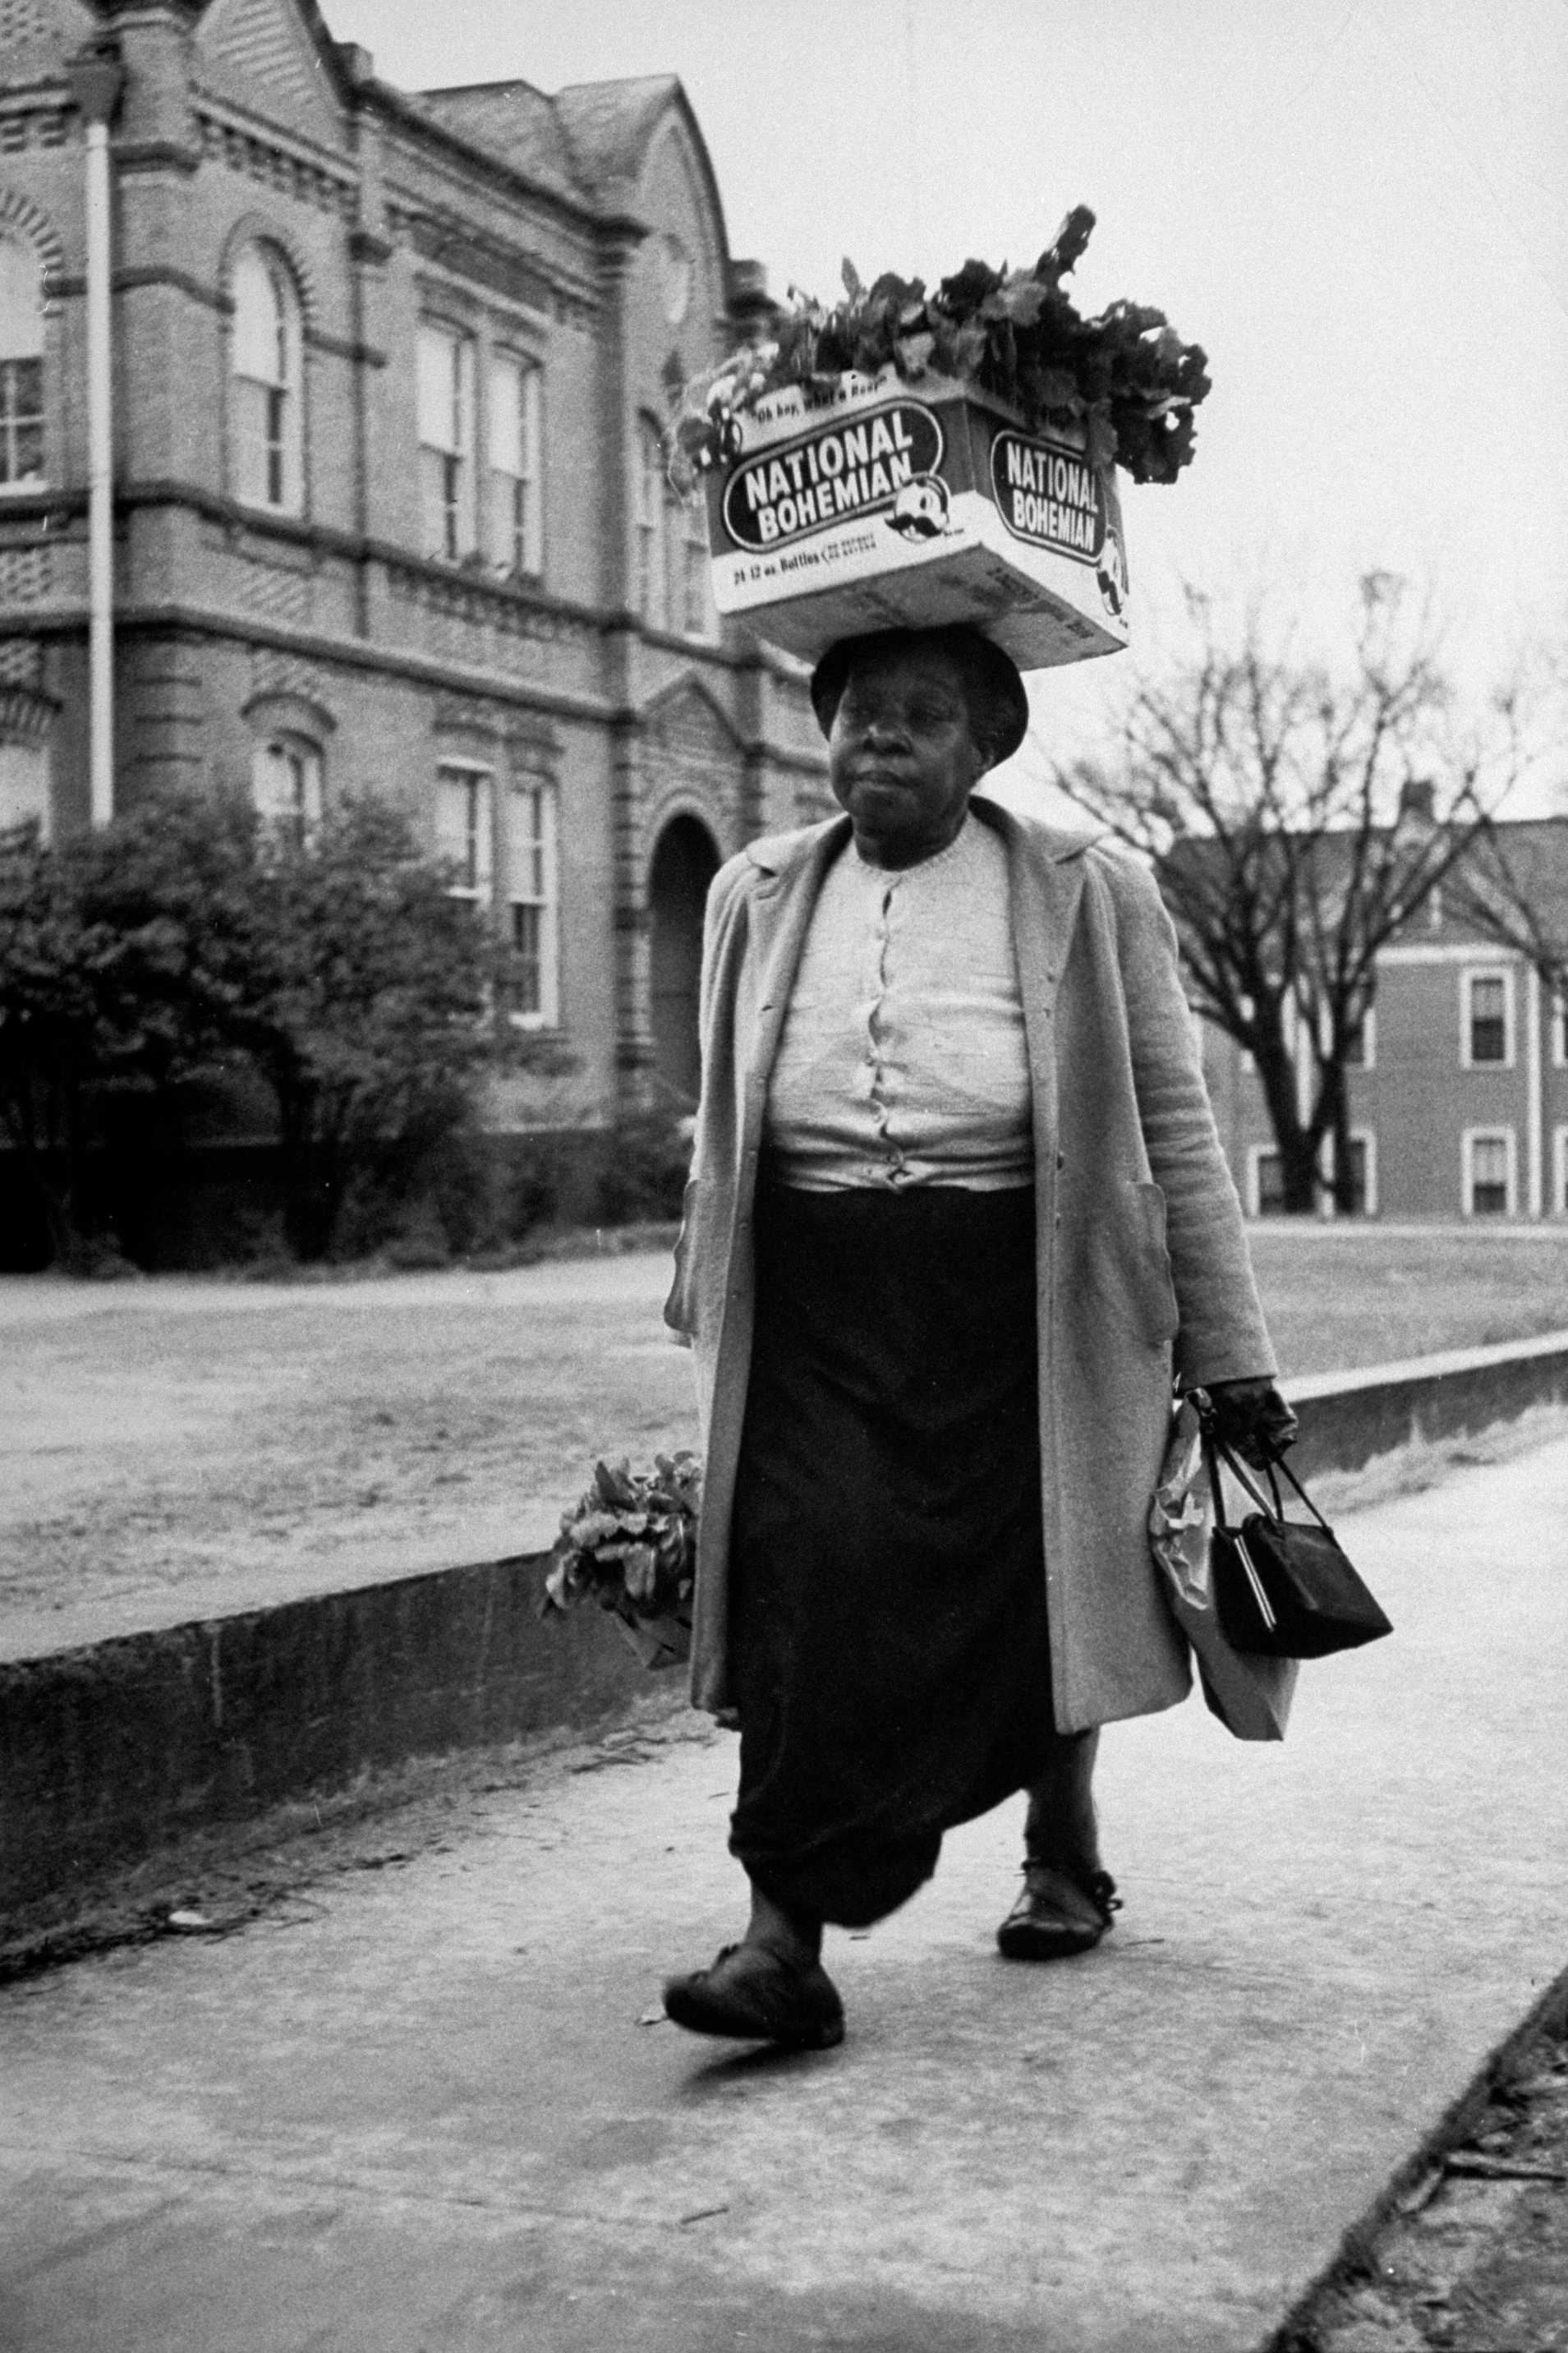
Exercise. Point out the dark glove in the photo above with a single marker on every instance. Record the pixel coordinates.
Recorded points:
(1252, 1418)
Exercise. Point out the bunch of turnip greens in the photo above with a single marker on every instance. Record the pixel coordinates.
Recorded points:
(1124, 385)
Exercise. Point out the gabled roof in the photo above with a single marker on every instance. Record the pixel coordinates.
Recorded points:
(609, 124)
(1534, 851)
(612, 124)
(589, 142)
(512, 119)
(278, 54)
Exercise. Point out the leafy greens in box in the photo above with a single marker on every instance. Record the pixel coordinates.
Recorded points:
(1123, 387)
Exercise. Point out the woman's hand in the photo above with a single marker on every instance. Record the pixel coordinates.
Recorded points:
(1252, 1418)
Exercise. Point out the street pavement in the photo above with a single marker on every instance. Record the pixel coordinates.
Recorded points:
(428, 2109)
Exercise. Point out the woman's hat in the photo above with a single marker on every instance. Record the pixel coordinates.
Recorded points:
(990, 679)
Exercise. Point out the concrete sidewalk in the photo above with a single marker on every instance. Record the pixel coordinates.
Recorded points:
(418, 2108)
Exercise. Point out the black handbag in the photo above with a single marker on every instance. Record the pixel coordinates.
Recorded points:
(1283, 1588)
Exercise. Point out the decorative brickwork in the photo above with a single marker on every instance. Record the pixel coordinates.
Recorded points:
(25, 576)
(19, 212)
(277, 167)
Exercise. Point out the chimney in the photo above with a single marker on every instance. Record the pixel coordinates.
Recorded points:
(752, 310)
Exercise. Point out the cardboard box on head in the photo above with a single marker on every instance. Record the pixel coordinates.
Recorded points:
(883, 504)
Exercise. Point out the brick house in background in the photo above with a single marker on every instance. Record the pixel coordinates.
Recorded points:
(391, 510)
(1460, 1095)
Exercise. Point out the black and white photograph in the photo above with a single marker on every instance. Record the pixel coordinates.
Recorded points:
(784, 1176)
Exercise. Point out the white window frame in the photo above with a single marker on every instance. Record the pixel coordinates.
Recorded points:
(268, 467)
(537, 889)
(1366, 1137)
(1469, 977)
(653, 514)
(476, 856)
(515, 474)
(300, 815)
(1559, 1172)
(1495, 1134)
(22, 348)
(689, 553)
(25, 785)
(447, 397)
(1368, 1042)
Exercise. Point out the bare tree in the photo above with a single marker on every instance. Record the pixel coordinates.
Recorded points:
(1298, 816)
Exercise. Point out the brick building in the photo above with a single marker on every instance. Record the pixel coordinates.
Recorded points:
(390, 507)
(1459, 1095)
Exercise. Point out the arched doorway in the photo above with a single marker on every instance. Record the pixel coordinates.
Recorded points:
(685, 860)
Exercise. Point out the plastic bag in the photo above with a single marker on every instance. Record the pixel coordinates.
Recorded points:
(1251, 1694)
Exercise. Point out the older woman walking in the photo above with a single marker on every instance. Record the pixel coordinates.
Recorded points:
(958, 1213)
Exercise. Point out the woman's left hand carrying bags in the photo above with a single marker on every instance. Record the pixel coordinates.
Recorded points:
(1251, 1695)
(1283, 1588)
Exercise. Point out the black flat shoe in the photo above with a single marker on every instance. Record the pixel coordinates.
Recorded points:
(754, 1995)
(1057, 1914)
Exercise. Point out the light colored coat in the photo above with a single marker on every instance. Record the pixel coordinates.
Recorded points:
(1142, 1255)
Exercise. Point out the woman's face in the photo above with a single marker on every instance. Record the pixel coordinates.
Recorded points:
(902, 757)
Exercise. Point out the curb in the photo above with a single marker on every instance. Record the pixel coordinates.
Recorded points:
(1348, 1420)
(109, 1752)
(112, 1751)
(1545, 2019)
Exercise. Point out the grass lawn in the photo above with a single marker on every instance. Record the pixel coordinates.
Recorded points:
(173, 1436)
(1339, 1296)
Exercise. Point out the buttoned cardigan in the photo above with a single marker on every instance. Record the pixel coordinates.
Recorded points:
(1141, 1270)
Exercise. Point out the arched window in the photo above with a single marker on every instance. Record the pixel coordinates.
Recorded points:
(268, 420)
(288, 785)
(21, 368)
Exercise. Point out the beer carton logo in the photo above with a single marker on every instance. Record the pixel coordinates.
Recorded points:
(850, 469)
(1049, 496)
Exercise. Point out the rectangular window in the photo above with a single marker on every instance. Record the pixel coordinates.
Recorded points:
(21, 423)
(516, 527)
(533, 895)
(1267, 1183)
(464, 829)
(446, 385)
(653, 579)
(1560, 1031)
(1488, 1172)
(692, 602)
(1559, 1172)
(1487, 1020)
(1362, 1202)
(1361, 1051)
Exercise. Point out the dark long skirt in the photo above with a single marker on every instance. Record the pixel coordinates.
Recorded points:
(888, 1637)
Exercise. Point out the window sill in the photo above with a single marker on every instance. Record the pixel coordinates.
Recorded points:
(280, 514)
(679, 640)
